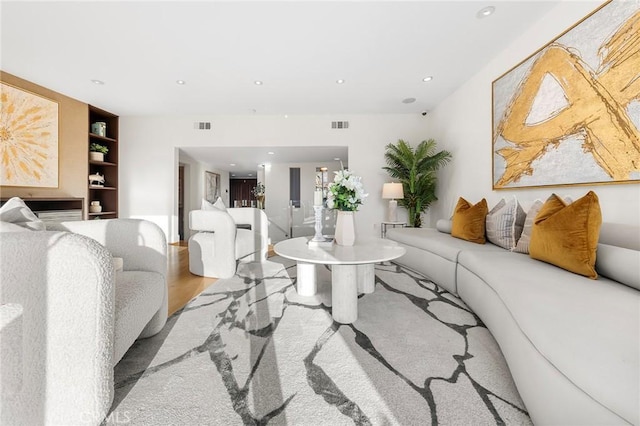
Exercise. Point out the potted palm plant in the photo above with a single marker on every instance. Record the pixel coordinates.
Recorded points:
(416, 170)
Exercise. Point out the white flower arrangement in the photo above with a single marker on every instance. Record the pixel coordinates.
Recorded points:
(345, 192)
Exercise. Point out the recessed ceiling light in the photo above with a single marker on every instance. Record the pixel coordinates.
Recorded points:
(232, 164)
(286, 116)
(270, 152)
(181, 82)
(485, 11)
(257, 83)
(339, 81)
(233, 174)
(250, 174)
(427, 78)
(408, 100)
(336, 159)
(98, 82)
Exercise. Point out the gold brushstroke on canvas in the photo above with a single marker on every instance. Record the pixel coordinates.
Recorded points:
(28, 139)
(595, 109)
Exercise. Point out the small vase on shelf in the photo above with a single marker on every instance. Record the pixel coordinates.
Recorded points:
(345, 228)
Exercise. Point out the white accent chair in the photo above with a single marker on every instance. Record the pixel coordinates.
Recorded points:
(223, 238)
(68, 317)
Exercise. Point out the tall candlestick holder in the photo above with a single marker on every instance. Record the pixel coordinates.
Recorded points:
(318, 239)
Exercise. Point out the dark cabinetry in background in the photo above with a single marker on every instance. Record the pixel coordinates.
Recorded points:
(241, 189)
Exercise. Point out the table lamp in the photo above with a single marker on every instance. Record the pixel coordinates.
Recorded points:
(392, 191)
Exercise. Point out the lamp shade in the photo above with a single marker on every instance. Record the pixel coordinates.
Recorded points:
(392, 191)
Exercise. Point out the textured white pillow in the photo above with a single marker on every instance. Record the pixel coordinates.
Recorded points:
(504, 223)
(15, 211)
(218, 205)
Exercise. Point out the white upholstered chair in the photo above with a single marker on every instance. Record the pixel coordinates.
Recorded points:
(223, 238)
(67, 315)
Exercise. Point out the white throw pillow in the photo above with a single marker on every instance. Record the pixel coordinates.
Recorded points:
(15, 211)
(504, 223)
(218, 205)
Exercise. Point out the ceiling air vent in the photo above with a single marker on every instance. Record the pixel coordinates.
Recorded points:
(202, 125)
(339, 124)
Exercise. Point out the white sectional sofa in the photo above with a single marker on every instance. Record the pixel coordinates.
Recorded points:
(71, 316)
(572, 343)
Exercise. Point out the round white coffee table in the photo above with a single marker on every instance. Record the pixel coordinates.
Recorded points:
(352, 269)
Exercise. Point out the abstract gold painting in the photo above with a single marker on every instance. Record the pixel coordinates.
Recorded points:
(28, 139)
(570, 113)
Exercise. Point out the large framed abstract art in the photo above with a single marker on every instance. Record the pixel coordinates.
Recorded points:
(570, 113)
(28, 139)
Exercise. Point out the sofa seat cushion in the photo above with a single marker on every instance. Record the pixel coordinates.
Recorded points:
(574, 322)
(436, 242)
(138, 296)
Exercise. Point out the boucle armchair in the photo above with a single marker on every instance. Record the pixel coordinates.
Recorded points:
(78, 314)
(224, 237)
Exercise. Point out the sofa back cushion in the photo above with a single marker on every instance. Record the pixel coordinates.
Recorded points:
(444, 226)
(619, 264)
(468, 221)
(620, 235)
(567, 235)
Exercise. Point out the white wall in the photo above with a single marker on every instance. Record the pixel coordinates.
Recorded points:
(149, 158)
(462, 125)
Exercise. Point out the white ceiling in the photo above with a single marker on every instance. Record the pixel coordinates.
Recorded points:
(297, 48)
(248, 160)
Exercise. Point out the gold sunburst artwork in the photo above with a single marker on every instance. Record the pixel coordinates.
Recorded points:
(570, 114)
(28, 139)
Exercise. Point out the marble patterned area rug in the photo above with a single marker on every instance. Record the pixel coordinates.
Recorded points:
(249, 350)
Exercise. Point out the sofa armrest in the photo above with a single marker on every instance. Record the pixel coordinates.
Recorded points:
(65, 284)
(140, 243)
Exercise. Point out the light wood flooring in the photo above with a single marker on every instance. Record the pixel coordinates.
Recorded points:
(183, 285)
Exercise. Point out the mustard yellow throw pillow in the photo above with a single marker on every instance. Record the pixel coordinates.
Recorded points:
(567, 235)
(468, 221)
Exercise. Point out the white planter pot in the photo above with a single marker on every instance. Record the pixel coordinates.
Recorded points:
(96, 156)
(345, 229)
